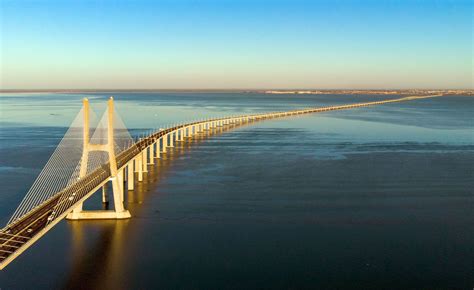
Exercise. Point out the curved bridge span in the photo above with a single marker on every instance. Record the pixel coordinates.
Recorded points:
(36, 216)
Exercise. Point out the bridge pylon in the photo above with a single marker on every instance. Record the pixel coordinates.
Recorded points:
(116, 176)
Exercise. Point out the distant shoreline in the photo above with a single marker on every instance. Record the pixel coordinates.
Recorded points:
(258, 91)
(371, 92)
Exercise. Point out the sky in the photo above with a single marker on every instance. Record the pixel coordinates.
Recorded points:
(236, 44)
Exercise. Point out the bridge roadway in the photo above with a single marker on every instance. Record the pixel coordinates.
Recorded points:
(17, 236)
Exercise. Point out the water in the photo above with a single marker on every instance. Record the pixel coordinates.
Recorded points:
(371, 198)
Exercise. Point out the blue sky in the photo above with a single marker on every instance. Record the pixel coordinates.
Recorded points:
(236, 44)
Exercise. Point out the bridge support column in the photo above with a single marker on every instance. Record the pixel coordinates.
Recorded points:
(74, 215)
(170, 138)
(105, 198)
(139, 167)
(120, 177)
(145, 160)
(130, 176)
(157, 149)
(152, 153)
(164, 140)
(120, 212)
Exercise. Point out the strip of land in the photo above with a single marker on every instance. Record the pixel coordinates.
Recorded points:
(419, 92)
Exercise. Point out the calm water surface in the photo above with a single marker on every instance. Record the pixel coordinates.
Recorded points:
(370, 198)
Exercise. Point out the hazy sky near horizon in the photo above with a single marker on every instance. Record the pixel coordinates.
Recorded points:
(228, 44)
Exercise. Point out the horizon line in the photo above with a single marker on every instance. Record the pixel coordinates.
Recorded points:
(228, 89)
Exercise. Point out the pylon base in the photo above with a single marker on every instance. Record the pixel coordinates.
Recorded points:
(99, 215)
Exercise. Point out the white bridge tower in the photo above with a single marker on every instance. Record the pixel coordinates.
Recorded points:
(119, 212)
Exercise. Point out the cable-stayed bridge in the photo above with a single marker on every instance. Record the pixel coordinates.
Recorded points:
(90, 156)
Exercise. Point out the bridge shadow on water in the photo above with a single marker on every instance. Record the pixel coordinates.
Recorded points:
(101, 248)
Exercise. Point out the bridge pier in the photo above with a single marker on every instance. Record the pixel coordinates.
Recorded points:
(157, 149)
(152, 154)
(105, 198)
(130, 176)
(170, 139)
(139, 167)
(135, 162)
(119, 211)
(120, 178)
(144, 160)
(164, 141)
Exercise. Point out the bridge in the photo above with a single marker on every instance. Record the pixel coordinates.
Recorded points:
(89, 157)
